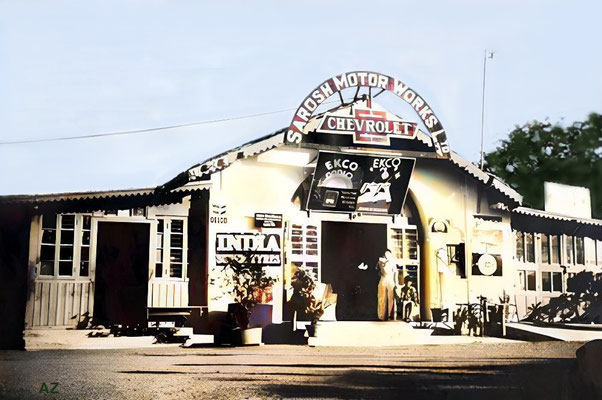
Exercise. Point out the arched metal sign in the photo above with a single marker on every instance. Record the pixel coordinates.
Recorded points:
(332, 86)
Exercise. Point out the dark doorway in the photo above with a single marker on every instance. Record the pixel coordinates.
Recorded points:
(350, 254)
(121, 273)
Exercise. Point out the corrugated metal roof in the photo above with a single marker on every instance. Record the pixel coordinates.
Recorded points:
(56, 197)
(488, 179)
(549, 215)
(246, 150)
(215, 164)
(110, 194)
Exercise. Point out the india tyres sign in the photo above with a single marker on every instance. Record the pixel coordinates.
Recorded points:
(356, 183)
(263, 249)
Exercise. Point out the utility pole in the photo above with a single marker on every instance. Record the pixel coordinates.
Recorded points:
(485, 57)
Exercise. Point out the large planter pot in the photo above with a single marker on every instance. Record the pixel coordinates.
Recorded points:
(313, 329)
(251, 336)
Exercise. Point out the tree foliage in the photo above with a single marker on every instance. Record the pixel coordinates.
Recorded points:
(540, 151)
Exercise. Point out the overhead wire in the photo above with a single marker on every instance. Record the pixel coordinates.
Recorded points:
(149, 130)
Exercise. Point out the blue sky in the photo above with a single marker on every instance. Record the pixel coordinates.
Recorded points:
(73, 68)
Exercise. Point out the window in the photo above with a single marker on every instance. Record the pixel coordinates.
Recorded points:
(530, 247)
(557, 281)
(305, 249)
(47, 250)
(530, 280)
(411, 244)
(545, 249)
(405, 244)
(599, 252)
(84, 259)
(568, 248)
(65, 245)
(551, 281)
(579, 251)
(555, 249)
(526, 280)
(159, 256)
(176, 244)
(171, 248)
(520, 247)
(546, 281)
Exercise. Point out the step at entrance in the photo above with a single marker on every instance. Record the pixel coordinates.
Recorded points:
(365, 333)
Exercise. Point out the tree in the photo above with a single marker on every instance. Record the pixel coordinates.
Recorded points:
(541, 151)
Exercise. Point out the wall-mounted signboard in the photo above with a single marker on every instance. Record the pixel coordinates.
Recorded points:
(358, 183)
(368, 122)
(264, 249)
(268, 220)
(487, 264)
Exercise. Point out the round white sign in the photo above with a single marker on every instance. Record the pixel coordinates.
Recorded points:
(487, 264)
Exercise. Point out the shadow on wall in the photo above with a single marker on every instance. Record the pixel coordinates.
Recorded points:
(582, 303)
(14, 247)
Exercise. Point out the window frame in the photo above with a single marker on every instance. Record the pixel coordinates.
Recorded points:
(524, 282)
(304, 246)
(545, 250)
(77, 245)
(553, 288)
(167, 248)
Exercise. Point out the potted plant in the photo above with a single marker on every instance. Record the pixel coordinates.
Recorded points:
(308, 306)
(314, 311)
(248, 282)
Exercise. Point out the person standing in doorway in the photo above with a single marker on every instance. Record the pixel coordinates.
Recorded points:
(386, 286)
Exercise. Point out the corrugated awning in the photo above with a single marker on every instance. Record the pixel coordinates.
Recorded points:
(58, 197)
(546, 214)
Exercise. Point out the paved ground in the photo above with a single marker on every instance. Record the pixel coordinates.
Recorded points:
(476, 371)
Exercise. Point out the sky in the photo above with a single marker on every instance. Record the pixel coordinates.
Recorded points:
(70, 68)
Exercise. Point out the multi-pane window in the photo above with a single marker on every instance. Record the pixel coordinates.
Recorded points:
(590, 251)
(176, 244)
(305, 248)
(170, 248)
(47, 250)
(526, 280)
(525, 247)
(159, 249)
(84, 260)
(65, 242)
(555, 249)
(67, 235)
(405, 244)
(569, 250)
(530, 247)
(579, 251)
(520, 246)
(545, 249)
(530, 280)
(551, 281)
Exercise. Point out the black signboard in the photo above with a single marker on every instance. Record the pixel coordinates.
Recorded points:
(357, 183)
(267, 220)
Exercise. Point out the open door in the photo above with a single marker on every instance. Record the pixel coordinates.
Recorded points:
(121, 287)
(350, 253)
